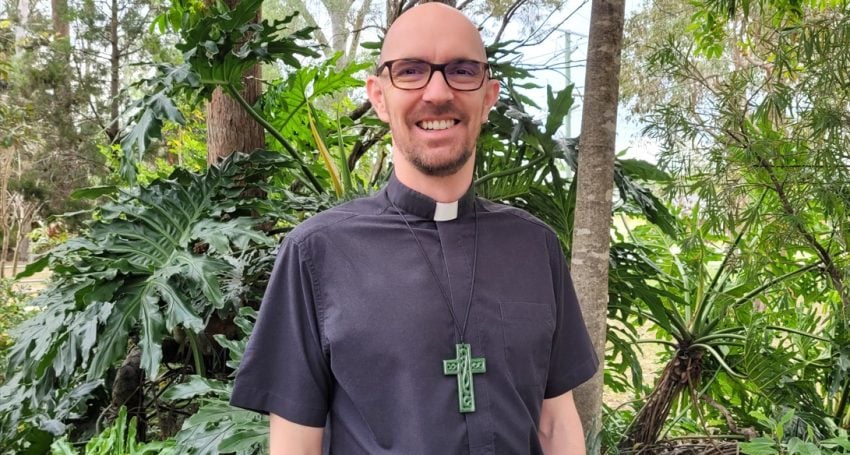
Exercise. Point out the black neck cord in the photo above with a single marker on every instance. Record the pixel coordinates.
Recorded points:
(460, 330)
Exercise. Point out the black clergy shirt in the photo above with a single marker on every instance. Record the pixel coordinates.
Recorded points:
(353, 328)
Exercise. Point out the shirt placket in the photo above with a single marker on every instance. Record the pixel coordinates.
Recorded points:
(457, 238)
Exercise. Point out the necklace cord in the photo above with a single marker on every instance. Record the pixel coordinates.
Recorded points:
(460, 331)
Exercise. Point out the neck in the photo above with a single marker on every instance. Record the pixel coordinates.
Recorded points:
(449, 188)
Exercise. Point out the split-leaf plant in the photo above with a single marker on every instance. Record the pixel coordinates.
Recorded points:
(156, 265)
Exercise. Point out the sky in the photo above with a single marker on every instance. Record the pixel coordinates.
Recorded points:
(578, 25)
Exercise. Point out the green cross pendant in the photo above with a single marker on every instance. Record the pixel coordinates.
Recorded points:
(464, 366)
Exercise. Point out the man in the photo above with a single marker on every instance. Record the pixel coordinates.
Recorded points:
(421, 320)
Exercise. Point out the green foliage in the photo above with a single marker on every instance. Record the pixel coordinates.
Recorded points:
(290, 106)
(218, 46)
(12, 313)
(521, 163)
(218, 427)
(155, 262)
(744, 107)
(709, 312)
(117, 439)
(56, 97)
(183, 145)
(777, 442)
(164, 265)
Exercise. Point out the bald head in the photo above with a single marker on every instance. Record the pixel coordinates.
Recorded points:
(433, 32)
(435, 125)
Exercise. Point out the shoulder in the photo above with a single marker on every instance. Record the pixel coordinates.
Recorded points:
(336, 217)
(522, 218)
(525, 227)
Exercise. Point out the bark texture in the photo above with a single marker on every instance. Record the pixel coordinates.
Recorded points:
(682, 372)
(128, 390)
(59, 16)
(114, 69)
(229, 127)
(591, 231)
(20, 28)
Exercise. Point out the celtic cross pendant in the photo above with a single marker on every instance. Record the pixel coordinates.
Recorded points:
(464, 366)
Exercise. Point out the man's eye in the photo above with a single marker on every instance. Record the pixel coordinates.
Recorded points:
(466, 70)
(408, 70)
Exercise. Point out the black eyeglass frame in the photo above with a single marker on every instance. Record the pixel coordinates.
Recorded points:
(434, 67)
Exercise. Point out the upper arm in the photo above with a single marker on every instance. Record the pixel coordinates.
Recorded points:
(572, 359)
(284, 368)
(289, 438)
(560, 429)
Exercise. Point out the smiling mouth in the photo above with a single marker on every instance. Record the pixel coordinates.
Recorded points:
(434, 125)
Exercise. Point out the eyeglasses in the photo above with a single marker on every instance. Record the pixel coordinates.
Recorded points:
(412, 74)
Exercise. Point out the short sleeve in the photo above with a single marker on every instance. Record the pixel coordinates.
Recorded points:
(573, 359)
(285, 370)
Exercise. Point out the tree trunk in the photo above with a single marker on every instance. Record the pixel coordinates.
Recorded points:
(357, 29)
(682, 372)
(591, 231)
(114, 68)
(25, 212)
(6, 157)
(20, 28)
(229, 127)
(59, 15)
(338, 13)
(128, 390)
(64, 122)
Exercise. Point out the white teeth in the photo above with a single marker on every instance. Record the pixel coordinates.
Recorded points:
(437, 124)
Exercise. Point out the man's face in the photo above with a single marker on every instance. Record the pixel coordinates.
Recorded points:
(434, 128)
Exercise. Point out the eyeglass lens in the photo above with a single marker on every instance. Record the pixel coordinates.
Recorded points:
(415, 74)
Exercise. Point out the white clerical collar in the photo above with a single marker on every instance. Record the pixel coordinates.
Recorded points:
(445, 211)
(415, 203)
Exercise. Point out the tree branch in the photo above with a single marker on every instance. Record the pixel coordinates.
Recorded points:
(362, 146)
(508, 15)
(358, 27)
(311, 21)
(360, 111)
(464, 4)
(825, 256)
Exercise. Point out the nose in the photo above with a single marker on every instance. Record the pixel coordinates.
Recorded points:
(438, 90)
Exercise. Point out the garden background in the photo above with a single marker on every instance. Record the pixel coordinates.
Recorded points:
(154, 154)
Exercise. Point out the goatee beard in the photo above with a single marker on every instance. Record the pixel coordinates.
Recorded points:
(441, 169)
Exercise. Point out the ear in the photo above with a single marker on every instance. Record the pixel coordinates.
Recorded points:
(491, 95)
(375, 92)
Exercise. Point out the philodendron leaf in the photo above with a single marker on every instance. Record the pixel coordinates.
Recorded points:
(196, 386)
(149, 114)
(93, 192)
(137, 274)
(643, 170)
(559, 105)
(177, 311)
(246, 439)
(760, 446)
(217, 426)
(152, 331)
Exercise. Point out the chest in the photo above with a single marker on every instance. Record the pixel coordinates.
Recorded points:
(383, 298)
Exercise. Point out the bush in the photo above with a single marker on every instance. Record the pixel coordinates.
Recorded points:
(12, 313)
(160, 270)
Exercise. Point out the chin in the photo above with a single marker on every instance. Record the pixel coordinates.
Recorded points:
(444, 168)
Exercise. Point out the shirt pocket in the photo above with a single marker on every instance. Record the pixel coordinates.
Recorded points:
(528, 328)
